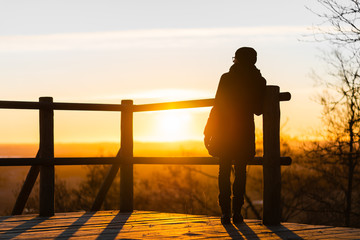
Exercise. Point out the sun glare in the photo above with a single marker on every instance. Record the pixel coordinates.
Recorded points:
(173, 125)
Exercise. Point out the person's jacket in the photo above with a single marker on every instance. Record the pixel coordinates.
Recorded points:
(239, 96)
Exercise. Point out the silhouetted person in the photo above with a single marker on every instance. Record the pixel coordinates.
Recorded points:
(230, 130)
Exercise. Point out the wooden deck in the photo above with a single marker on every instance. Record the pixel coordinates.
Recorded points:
(155, 225)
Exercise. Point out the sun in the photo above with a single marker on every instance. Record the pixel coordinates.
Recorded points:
(173, 125)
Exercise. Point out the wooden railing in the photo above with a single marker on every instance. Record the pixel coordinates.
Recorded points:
(45, 161)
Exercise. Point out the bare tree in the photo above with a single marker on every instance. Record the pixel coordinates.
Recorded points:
(341, 23)
(336, 158)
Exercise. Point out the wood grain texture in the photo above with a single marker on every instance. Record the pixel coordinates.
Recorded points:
(156, 225)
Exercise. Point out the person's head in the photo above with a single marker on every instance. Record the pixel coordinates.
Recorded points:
(245, 55)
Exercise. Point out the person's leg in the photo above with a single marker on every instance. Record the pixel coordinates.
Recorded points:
(239, 187)
(225, 188)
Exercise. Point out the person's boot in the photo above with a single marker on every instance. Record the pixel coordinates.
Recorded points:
(237, 218)
(225, 218)
(225, 205)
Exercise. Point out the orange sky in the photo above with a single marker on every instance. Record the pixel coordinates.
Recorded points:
(98, 55)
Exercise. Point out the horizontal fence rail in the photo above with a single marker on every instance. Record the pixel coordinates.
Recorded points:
(43, 164)
(284, 96)
(285, 161)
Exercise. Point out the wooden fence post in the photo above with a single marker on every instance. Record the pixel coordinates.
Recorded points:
(271, 165)
(47, 173)
(126, 152)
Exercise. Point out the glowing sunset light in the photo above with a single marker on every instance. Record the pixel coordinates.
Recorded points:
(170, 125)
(177, 107)
(149, 53)
(173, 125)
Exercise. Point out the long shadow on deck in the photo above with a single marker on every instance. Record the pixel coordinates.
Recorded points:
(239, 231)
(3, 218)
(243, 231)
(28, 224)
(283, 232)
(114, 227)
(75, 226)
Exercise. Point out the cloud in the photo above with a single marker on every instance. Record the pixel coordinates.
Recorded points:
(158, 38)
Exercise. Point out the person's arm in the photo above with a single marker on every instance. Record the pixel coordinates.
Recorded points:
(261, 88)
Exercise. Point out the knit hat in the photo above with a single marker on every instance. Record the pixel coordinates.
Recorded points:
(246, 55)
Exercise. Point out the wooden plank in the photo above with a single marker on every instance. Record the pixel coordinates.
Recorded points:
(47, 172)
(156, 225)
(271, 165)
